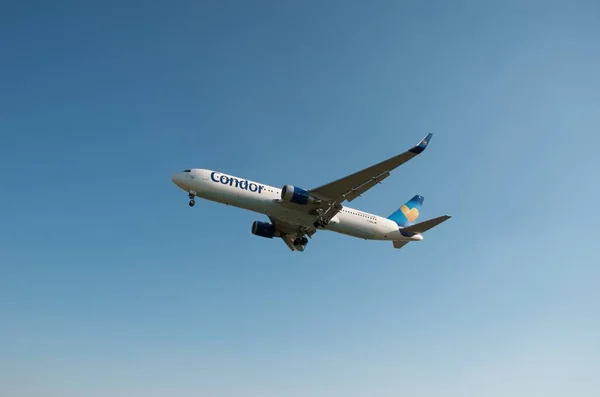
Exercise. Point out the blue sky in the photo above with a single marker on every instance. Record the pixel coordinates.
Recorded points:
(111, 285)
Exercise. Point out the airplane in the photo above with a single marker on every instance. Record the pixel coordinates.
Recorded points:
(296, 214)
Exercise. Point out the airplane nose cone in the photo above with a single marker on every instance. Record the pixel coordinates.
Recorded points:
(177, 180)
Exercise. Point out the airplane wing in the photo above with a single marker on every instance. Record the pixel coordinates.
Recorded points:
(290, 232)
(352, 186)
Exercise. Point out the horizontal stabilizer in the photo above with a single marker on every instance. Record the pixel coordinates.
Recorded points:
(400, 244)
(426, 225)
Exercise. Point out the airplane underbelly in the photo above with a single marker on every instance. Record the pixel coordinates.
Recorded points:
(235, 197)
(356, 229)
(291, 216)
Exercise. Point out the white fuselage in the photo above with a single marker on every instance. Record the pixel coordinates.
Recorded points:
(264, 199)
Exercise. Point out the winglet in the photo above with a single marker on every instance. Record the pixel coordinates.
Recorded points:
(422, 145)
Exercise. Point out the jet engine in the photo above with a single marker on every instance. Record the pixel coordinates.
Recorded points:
(293, 194)
(263, 229)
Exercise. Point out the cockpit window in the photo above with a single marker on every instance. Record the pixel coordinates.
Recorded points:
(187, 170)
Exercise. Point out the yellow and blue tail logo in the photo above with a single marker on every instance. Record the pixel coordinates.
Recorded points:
(409, 212)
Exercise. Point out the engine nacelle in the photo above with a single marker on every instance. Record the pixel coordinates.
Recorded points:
(293, 194)
(263, 229)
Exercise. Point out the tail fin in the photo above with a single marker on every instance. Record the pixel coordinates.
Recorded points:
(409, 212)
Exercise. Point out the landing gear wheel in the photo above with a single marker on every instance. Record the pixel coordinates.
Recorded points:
(300, 241)
(192, 196)
(320, 223)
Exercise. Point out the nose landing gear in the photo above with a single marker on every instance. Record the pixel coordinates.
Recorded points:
(192, 196)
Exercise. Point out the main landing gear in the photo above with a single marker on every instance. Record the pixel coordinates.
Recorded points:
(192, 196)
(300, 241)
(321, 222)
